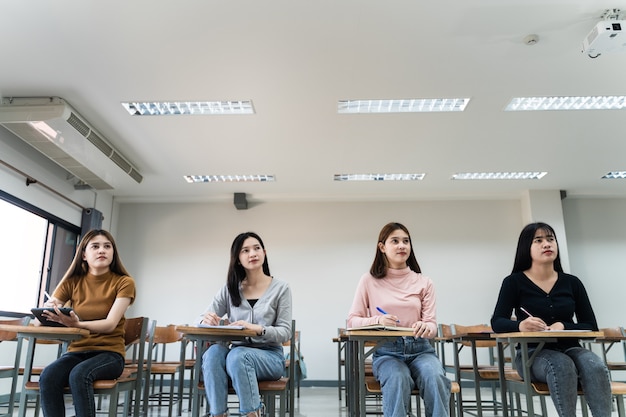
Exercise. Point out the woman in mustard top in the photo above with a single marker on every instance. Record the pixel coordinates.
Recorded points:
(99, 289)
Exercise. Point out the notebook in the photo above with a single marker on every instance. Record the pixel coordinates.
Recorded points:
(382, 327)
(38, 312)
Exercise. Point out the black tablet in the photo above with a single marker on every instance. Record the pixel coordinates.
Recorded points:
(38, 312)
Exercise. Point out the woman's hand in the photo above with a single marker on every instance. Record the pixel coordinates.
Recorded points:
(211, 319)
(532, 324)
(557, 326)
(388, 320)
(58, 317)
(422, 330)
(53, 302)
(249, 326)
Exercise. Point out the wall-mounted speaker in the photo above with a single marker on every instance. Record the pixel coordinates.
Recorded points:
(91, 219)
(240, 201)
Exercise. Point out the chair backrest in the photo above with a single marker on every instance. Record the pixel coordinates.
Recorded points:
(458, 329)
(5, 335)
(134, 330)
(161, 337)
(616, 332)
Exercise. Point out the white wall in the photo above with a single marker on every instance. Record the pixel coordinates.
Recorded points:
(596, 233)
(179, 254)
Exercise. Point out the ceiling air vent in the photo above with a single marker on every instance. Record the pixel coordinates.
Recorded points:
(55, 129)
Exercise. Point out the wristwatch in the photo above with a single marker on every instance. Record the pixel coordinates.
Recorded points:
(263, 331)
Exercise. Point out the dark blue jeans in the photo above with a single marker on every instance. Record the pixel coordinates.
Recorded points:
(78, 370)
(563, 371)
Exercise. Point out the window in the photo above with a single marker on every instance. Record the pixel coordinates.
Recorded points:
(36, 248)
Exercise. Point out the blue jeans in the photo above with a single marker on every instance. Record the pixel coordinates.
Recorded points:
(563, 371)
(245, 366)
(405, 363)
(78, 370)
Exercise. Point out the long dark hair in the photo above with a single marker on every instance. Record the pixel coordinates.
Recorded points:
(79, 267)
(523, 260)
(380, 265)
(236, 271)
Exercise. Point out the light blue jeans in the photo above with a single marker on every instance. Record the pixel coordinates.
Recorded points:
(78, 370)
(244, 366)
(563, 371)
(405, 363)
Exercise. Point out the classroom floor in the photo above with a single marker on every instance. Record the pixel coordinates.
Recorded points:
(313, 402)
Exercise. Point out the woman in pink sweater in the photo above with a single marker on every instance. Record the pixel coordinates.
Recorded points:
(395, 293)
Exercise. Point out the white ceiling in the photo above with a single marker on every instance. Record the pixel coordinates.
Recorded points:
(295, 59)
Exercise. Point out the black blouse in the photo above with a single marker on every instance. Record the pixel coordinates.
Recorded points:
(568, 298)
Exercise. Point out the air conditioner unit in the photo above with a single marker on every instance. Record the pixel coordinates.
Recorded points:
(55, 129)
(607, 36)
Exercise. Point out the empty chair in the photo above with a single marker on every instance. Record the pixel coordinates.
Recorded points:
(159, 367)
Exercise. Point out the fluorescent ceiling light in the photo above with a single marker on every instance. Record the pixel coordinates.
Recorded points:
(615, 175)
(416, 105)
(229, 178)
(498, 175)
(379, 177)
(567, 103)
(167, 108)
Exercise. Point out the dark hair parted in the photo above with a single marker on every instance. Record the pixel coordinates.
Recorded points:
(381, 265)
(523, 260)
(236, 271)
(79, 267)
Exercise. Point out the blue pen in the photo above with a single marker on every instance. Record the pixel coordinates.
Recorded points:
(384, 312)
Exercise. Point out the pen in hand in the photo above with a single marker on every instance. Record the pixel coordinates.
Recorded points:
(527, 313)
(380, 310)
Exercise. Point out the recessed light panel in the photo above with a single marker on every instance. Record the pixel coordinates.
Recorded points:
(379, 177)
(567, 103)
(615, 175)
(169, 108)
(416, 105)
(498, 175)
(229, 178)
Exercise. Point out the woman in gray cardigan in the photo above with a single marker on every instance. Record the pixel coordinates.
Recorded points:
(251, 298)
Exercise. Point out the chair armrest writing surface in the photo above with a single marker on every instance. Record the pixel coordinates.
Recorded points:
(32, 333)
(44, 332)
(376, 334)
(355, 362)
(215, 333)
(206, 334)
(578, 334)
(524, 338)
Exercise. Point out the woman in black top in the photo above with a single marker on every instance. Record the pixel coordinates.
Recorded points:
(543, 297)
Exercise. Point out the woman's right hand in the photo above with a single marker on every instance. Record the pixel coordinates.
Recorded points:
(211, 319)
(53, 302)
(532, 324)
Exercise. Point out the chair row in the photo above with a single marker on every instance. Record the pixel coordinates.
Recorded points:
(19, 331)
(153, 375)
(480, 366)
(468, 353)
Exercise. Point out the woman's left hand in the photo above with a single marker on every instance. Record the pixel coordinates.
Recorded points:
(248, 326)
(422, 330)
(70, 321)
(556, 326)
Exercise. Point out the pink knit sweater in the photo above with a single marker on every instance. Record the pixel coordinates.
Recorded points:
(406, 294)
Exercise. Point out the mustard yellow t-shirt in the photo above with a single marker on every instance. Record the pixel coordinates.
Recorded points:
(92, 298)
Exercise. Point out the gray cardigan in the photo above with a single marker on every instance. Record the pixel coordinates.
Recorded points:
(272, 310)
